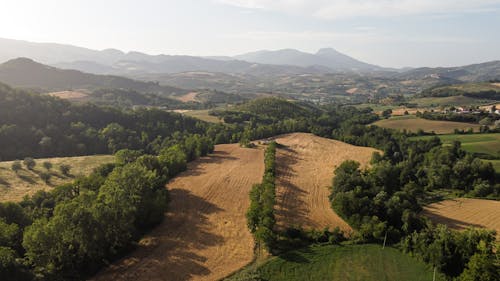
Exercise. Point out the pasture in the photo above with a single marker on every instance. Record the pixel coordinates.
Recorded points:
(343, 263)
(203, 115)
(481, 144)
(413, 124)
(14, 186)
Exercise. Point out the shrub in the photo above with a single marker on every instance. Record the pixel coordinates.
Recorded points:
(65, 169)
(45, 176)
(47, 165)
(16, 166)
(29, 163)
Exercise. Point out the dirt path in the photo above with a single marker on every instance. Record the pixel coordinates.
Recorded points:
(204, 235)
(461, 213)
(304, 172)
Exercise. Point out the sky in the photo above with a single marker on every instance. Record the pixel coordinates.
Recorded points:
(391, 33)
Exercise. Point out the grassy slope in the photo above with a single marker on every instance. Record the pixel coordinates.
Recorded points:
(476, 143)
(203, 115)
(13, 187)
(412, 123)
(345, 263)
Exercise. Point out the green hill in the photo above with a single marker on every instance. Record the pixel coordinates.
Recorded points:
(483, 90)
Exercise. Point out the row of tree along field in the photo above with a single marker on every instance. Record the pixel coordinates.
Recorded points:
(260, 215)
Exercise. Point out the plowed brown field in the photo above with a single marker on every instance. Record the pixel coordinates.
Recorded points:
(304, 170)
(204, 235)
(461, 213)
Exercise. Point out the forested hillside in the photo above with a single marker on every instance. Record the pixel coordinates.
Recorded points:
(43, 126)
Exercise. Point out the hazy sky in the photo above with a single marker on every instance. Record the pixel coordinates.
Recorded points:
(386, 32)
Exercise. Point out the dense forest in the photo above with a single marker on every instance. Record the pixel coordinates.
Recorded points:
(43, 126)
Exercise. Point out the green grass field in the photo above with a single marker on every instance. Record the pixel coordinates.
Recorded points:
(474, 143)
(449, 101)
(496, 165)
(344, 263)
(14, 186)
(413, 124)
(203, 115)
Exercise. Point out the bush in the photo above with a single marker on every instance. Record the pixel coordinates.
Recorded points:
(47, 165)
(29, 163)
(65, 169)
(16, 166)
(45, 176)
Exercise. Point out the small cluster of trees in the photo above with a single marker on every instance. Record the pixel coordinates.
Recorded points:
(260, 215)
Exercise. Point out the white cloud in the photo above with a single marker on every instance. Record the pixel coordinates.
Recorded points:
(340, 9)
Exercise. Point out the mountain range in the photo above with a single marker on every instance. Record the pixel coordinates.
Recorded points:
(112, 61)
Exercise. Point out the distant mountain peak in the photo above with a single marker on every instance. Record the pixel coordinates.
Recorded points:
(326, 57)
(327, 51)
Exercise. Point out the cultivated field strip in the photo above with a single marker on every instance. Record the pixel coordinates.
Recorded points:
(204, 235)
(304, 171)
(461, 213)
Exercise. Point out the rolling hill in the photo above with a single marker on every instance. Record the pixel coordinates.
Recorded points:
(26, 73)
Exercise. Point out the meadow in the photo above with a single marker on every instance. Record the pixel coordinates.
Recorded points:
(481, 144)
(412, 123)
(14, 186)
(343, 263)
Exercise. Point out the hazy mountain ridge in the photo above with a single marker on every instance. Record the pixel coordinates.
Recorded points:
(112, 61)
(326, 57)
(24, 72)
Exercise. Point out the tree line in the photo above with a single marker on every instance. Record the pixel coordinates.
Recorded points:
(260, 215)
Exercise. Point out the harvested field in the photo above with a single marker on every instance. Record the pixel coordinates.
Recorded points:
(14, 186)
(188, 97)
(204, 235)
(351, 90)
(461, 213)
(69, 95)
(412, 124)
(304, 171)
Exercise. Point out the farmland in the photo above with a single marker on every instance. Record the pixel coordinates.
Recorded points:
(187, 97)
(204, 235)
(413, 124)
(344, 263)
(14, 186)
(461, 213)
(305, 167)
